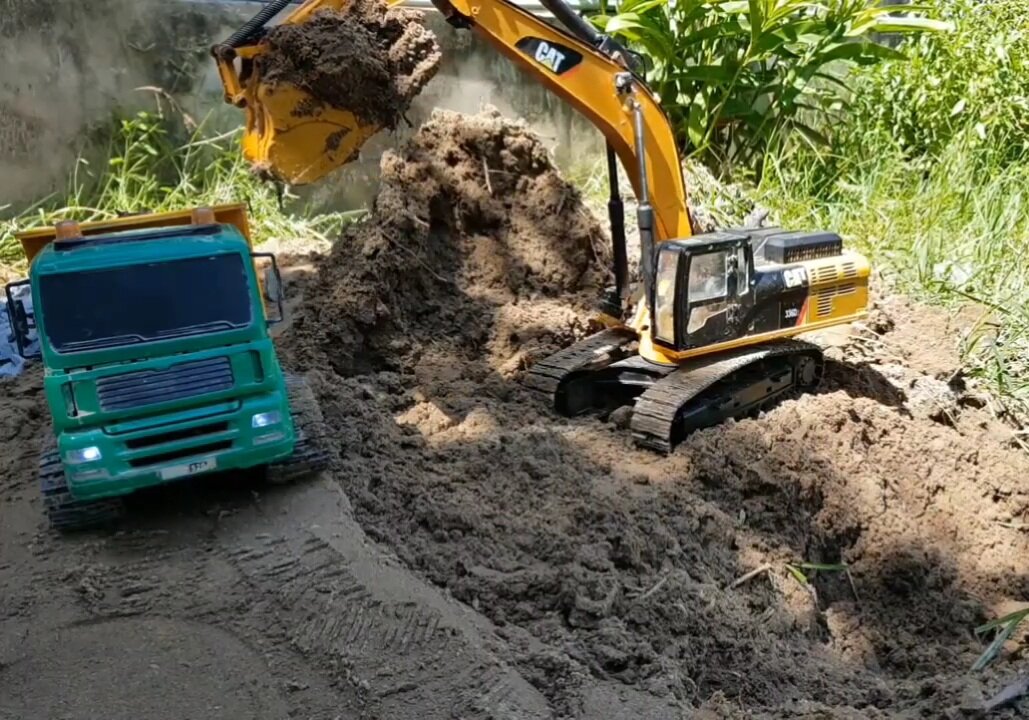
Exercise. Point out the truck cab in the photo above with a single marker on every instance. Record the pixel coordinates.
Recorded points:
(158, 363)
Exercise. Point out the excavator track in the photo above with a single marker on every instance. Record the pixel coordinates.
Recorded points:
(592, 353)
(309, 454)
(707, 391)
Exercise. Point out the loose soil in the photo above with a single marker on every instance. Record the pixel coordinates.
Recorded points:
(371, 59)
(592, 579)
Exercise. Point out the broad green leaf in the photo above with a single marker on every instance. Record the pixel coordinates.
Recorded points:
(757, 19)
(857, 50)
(645, 6)
(697, 123)
(892, 24)
(877, 10)
(725, 29)
(623, 21)
(714, 74)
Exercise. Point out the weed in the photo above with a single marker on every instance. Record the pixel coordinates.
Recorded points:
(1004, 627)
(162, 160)
(950, 229)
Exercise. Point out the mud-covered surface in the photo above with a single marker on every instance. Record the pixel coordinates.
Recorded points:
(418, 325)
(594, 580)
(371, 59)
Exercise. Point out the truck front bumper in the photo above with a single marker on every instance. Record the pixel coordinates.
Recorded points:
(125, 457)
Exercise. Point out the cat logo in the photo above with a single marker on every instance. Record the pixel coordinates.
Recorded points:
(549, 55)
(553, 56)
(794, 277)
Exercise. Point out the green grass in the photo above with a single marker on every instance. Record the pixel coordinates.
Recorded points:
(949, 229)
(156, 161)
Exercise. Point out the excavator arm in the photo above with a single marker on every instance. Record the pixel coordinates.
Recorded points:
(590, 73)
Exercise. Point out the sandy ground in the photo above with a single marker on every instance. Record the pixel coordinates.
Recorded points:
(488, 559)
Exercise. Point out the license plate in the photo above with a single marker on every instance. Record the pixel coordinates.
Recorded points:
(193, 468)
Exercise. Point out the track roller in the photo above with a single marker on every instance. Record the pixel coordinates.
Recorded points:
(710, 390)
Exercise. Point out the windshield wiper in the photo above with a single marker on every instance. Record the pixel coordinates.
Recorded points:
(200, 327)
(97, 343)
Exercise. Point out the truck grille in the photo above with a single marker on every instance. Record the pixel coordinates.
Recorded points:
(149, 387)
(181, 454)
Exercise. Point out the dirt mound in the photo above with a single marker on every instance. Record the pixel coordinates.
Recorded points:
(475, 260)
(371, 59)
(474, 244)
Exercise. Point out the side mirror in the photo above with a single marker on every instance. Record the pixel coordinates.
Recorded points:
(22, 321)
(272, 288)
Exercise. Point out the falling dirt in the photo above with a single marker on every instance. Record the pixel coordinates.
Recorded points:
(371, 59)
(597, 580)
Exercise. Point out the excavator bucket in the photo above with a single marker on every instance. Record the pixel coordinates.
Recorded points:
(291, 134)
(293, 138)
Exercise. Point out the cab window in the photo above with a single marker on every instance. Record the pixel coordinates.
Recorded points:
(708, 276)
(664, 300)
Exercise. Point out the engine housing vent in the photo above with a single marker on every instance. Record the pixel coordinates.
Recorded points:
(799, 246)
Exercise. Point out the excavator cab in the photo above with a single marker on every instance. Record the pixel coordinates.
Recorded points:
(728, 287)
(702, 287)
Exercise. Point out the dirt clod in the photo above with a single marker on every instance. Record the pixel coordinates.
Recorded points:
(371, 59)
(445, 260)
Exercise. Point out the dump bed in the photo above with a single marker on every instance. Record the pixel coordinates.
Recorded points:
(33, 241)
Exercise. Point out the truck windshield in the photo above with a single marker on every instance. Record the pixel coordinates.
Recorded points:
(107, 308)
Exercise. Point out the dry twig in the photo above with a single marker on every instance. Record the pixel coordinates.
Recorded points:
(751, 575)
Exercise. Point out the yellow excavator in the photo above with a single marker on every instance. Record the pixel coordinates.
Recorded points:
(708, 334)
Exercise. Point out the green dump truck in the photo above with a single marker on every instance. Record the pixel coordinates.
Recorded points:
(158, 363)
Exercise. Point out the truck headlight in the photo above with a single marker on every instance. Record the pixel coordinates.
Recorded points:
(83, 455)
(261, 420)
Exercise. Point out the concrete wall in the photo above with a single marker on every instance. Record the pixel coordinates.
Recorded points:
(66, 66)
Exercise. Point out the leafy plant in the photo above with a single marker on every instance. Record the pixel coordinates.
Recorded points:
(973, 82)
(162, 160)
(738, 77)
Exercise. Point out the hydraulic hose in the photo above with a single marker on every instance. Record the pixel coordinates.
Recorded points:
(567, 16)
(616, 215)
(644, 211)
(249, 29)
